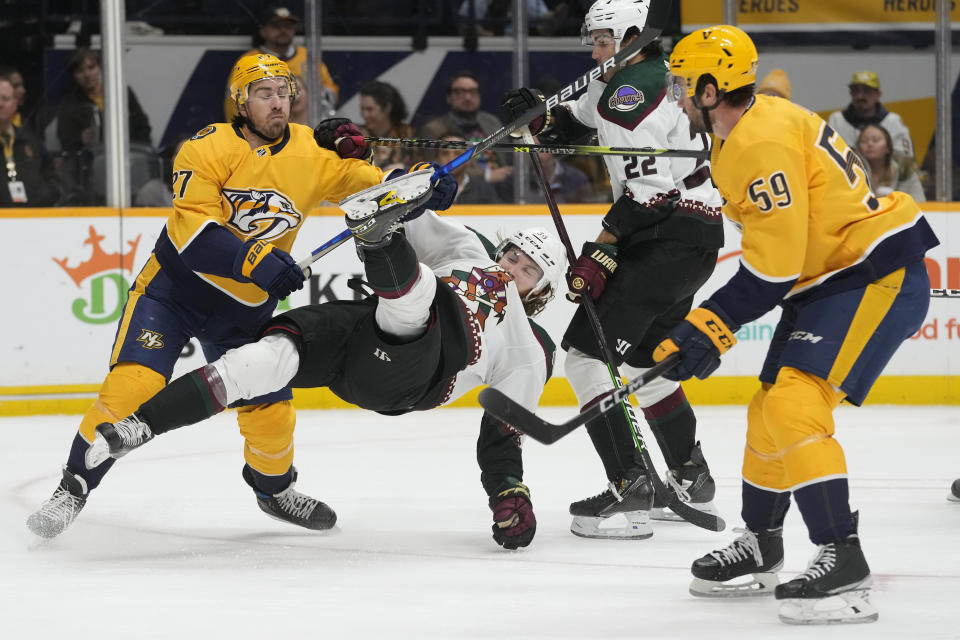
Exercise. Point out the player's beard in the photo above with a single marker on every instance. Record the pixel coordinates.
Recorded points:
(269, 126)
(697, 123)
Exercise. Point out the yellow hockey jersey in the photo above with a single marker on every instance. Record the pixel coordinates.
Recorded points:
(264, 193)
(800, 198)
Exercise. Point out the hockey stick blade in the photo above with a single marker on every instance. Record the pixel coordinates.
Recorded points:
(552, 149)
(656, 19)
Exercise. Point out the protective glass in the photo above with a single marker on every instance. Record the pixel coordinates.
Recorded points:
(590, 39)
(676, 87)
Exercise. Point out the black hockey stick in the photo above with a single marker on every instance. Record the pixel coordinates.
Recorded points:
(657, 18)
(553, 149)
(525, 421)
(945, 293)
(672, 500)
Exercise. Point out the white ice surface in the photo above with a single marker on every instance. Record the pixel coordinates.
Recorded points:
(172, 544)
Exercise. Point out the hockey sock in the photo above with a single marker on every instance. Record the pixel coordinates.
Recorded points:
(190, 398)
(76, 463)
(764, 509)
(825, 507)
(612, 438)
(675, 426)
(270, 485)
(392, 269)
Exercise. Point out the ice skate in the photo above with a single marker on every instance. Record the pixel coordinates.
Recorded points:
(631, 497)
(692, 483)
(61, 509)
(294, 507)
(118, 439)
(372, 215)
(834, 589)
(954, 491)
(758, 555)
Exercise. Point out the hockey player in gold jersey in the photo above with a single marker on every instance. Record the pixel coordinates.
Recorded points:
(242, 191)
(847, 269)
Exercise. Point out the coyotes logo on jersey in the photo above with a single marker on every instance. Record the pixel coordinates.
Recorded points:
(484, 291)
(261, 213)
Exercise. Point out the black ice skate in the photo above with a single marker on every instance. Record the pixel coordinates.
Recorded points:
(631, 496)
(61, 509)
(118, 439)
(374, 214)
(294, 507)
(759, 555)
(954, 491)
(835, 588)
(692, 483)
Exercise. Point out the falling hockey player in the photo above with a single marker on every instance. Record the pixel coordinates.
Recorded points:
(847, 269)
(657, 247)
(445, 318)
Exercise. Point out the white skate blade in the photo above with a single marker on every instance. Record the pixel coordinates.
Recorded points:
(759, 584)
(407, 188)
(953, 498)
(97, 453)
(636, 527)
(665, 514)
(849, 607)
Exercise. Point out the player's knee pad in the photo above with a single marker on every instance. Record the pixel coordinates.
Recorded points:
(407, 315)
(258, 368)
(762, 466)
(126, 387)
(652, 392)
(588, 376)
(268, 431)
(798, 415)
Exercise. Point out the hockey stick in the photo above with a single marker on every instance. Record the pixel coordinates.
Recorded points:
(658, 15)
(945, 293)
(553, 149)
(525, 421)
(672, 500)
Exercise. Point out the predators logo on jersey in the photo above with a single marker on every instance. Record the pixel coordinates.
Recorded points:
(262, 213)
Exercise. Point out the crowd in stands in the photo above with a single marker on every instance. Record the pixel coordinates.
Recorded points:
(58, 160)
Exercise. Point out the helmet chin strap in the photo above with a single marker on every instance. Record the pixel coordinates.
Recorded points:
(248, 123)
(705, 111)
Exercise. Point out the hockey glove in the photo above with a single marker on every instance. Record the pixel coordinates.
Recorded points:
(513, 521)
(268, 267)
(589, 274)
(701, 338)
(517, 102)
(342, 136)
(444, 191)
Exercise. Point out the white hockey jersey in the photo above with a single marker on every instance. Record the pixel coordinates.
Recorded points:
(512, 358)
(632, 111)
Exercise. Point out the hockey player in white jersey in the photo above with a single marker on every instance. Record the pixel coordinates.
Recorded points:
(449, 313)
(658, 245)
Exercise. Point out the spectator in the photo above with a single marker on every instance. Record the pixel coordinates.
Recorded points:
(467, 120)
(274, 35)
(384, 112)
(890, 170)
(495, 17)
(472, 189)
(29, 178)
(776, 83)
(865, 108)
(567, 183)
(80, 114)
(13, 75)
(157, 192)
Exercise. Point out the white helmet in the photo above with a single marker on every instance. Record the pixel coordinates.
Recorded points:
(543, 248)
(616, 15)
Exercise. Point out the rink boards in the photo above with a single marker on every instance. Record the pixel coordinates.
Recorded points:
(66, 273)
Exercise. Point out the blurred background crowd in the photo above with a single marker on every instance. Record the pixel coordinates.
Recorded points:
(52, 88)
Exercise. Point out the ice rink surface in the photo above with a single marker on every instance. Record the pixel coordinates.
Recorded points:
(172, 545)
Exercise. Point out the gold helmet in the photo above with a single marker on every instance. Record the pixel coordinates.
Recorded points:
(250, 69)
(724, 51)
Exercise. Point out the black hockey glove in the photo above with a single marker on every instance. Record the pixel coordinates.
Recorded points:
(343, 136)
(701, 338)
(513, 521)
(268, 267)
(517, 102)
